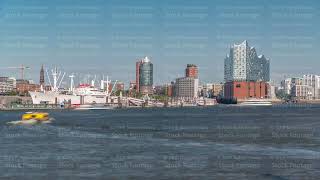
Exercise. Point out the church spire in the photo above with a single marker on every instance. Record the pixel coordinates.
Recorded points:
(42, 76)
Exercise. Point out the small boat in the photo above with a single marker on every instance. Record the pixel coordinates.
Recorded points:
(38, 116)
(33, 118)
(256, 102)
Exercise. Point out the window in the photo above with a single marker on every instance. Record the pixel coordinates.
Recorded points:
(238, 85)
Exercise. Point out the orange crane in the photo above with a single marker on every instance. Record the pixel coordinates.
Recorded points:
(22, 68)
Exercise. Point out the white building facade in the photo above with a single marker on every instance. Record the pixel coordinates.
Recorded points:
(313, 82)
(7, 84)
(186, 87)
(306, 87)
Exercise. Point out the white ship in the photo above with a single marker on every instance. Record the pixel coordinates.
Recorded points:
(93, 107)
(83, 94)
(206, 102)
(256, 102)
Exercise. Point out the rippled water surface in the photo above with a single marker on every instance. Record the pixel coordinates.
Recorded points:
(222, 142)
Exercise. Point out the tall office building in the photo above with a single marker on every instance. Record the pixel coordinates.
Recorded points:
(145, 76)
(186, 87)
(192, 71)
(138, 63)
(243, 64)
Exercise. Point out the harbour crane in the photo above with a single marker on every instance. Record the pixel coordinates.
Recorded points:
(22, 68)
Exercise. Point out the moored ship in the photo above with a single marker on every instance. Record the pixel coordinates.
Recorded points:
(256, 102)
(83, 94)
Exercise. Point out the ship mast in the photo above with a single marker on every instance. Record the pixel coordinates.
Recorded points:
(93, 81)
(71, 83)
(103, 82)
(107, 85)
(57, 79)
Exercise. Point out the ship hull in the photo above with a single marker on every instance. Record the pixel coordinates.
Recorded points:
(56, 98)
(256, 102)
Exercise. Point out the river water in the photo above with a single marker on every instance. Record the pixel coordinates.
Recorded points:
(221, 142)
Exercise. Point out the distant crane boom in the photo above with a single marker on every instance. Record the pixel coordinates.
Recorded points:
(22, 68)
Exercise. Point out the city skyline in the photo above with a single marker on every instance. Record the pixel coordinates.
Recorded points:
(159, 89)
(237, 50)
(107, 37)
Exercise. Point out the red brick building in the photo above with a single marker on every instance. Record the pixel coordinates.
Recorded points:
(24, 87)
(138, 63)
(170, 90)
(192, 71)
(245, 89)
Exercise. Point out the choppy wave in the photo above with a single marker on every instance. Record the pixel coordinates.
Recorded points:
(172, 142)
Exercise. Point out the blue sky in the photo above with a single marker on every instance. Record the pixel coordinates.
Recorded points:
(107, 37)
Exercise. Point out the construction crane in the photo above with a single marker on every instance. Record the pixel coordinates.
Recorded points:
(22, 68)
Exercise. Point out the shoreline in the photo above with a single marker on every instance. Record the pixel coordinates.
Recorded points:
(6, 100)
(299, 104)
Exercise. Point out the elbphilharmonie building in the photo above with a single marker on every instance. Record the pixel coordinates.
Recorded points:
(243, 64)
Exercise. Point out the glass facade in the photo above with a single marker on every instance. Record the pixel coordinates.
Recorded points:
(146, 74)
(243, 64)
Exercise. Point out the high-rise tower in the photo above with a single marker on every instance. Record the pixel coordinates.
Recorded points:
(146, 76)
(192, 71)
(138, 63)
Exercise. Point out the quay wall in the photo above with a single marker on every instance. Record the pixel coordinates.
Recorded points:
(7, 100)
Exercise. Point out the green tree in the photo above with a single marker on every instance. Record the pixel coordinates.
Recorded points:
(283, 95)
